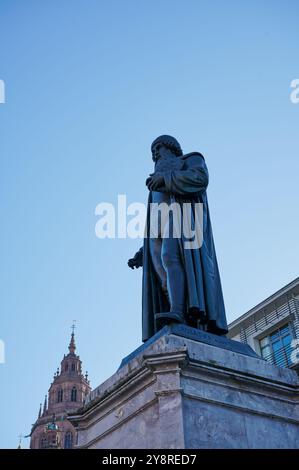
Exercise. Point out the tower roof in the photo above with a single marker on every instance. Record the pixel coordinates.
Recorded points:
(66, 393)
(72, 345)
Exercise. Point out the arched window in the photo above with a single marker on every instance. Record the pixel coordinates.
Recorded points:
(66, 367)
(43, 443)
(68, 440)
(60, 395)
(73, 367)
(74, 394)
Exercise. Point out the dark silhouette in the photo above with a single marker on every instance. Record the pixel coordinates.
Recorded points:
(180, 284)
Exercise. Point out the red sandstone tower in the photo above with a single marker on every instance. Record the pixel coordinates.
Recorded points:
(52, 429)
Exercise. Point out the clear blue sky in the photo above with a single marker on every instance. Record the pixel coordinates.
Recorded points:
(89, 85)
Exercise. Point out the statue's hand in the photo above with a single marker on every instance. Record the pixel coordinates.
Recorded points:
(137, 261)
(155, 181)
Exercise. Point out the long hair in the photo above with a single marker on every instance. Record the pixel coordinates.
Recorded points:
(170, 142)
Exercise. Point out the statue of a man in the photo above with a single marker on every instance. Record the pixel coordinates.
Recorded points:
(179, 284)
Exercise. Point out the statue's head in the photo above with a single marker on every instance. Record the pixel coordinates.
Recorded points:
(169, 143)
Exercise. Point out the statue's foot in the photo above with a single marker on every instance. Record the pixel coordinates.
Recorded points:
(166, 318)
(196, 319)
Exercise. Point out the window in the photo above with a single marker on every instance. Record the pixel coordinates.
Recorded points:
(60, 395)
(74, 394)
(66, 367)
(276, 348)
(68, 440)
(73, 367)
(43, 443)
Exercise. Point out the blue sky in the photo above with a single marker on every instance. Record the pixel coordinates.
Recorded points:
(89, 85)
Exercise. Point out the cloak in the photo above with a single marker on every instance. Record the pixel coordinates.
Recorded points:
(204, 292)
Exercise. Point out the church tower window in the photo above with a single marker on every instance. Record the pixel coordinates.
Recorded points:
(74, 394)
(43, 442)
(60, 395)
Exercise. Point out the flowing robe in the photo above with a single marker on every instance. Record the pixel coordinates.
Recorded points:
(204, 293)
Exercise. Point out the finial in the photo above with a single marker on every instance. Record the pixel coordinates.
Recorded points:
(72, 346)
(86, 376)
(45, 405)
(20, 436)
(40, 410)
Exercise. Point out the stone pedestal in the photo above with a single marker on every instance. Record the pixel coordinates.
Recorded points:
(188, 389)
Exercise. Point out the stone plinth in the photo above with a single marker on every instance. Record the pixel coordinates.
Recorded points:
(189, 389)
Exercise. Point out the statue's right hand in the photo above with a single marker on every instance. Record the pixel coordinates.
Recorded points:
(137, 261)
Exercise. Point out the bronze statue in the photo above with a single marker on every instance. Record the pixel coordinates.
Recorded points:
(180, 284)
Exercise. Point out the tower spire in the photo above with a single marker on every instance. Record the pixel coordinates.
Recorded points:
(66, 393)
(72, 345)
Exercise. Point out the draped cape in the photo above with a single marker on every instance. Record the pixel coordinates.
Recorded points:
(204, 293)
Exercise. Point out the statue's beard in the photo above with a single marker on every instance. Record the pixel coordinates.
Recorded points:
(168, 163)
(156, 158)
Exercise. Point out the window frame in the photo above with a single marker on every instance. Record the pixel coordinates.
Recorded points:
(280, 338)
(74, 393)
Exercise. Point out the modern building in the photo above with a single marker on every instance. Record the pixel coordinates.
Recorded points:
(271, 328)
(52, 429)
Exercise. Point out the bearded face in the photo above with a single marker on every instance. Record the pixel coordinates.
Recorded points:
(168, 161)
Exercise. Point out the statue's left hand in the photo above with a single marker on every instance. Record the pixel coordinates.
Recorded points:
(137, 261)
(155, 181)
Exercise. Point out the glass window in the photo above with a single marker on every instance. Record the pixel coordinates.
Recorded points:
(274, 335)
(60, 395)
(284, 330)
(264, 341)
(74, 394)
(276, 348)
(276, 345)
(43, 442)
(266, 352)
(287, 340)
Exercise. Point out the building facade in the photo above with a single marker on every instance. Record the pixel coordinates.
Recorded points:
(272, 327)
(52, 428)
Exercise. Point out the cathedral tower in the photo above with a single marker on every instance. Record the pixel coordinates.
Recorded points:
(66, 393)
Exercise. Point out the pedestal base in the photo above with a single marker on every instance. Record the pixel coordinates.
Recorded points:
(179, 391)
